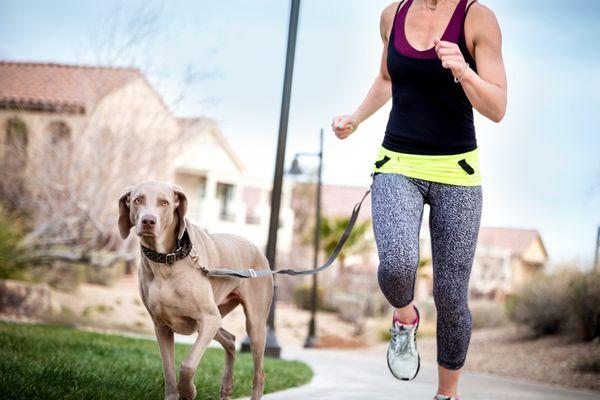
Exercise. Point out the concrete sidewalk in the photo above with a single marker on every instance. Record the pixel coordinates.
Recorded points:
(363, 374)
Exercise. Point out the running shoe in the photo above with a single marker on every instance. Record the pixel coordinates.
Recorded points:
(402, 355)
(442, 397)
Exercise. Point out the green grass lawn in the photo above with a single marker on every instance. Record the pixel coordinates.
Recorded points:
(55, 362)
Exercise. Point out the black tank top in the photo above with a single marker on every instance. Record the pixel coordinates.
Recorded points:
(430, 113)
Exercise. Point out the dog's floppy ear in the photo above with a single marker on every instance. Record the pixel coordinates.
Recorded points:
(124, 219)
(181, 209)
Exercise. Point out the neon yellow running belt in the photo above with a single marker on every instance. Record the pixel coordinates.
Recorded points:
(455, 169)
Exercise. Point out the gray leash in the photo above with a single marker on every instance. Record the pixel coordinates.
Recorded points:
(252, 273)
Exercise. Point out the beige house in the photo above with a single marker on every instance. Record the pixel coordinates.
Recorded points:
(506, 259)
(113, 129)
(90, 130)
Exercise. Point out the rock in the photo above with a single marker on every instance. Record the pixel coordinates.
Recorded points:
(24, 299)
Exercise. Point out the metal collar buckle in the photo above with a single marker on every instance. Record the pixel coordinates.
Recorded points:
(170, 258)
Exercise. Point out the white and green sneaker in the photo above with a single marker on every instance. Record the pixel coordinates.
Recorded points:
(402, 355)
(442, 397)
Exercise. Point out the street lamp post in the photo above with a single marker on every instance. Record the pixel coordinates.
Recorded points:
(596, 266)
(311, 339)
(272, 347)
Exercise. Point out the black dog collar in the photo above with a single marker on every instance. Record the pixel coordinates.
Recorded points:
(184, 246)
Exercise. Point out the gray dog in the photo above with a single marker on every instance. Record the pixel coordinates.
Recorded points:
(178, 294)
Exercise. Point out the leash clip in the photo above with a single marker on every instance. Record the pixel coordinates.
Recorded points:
(252, 272)
(194, 258)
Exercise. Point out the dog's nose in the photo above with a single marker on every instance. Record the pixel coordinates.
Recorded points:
(149, 220)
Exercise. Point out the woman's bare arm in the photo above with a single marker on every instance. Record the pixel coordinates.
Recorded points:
(487, 88)
(381, 89)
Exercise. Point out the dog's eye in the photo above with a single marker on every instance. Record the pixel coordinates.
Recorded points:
(165, 203)
(138, 201)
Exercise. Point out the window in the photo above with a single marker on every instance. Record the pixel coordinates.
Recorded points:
(252, 218)
(251, 198)
(59, 132)
(225, 194)
(201, 188)
(15, 143)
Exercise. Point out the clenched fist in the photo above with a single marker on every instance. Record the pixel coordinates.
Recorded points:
(344, 125)
(452, 58)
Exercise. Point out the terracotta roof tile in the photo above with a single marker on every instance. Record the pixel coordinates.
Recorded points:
(58, 86)
(514, 239)
(339, 200)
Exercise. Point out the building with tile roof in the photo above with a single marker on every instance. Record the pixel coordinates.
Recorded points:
(122, 130)
(506, 260)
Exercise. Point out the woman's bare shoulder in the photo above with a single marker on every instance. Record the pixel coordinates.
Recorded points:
(481, 15)
(482, 22)
(387, 19)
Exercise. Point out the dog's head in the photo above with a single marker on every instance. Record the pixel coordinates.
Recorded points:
(151, 206)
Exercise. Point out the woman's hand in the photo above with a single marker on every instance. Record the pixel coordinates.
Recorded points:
(486, 89)
(344, 125)
(451, 56)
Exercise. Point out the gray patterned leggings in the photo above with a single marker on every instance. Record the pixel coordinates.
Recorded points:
(455, 213)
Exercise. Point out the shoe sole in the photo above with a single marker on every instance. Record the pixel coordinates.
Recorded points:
(418, 356)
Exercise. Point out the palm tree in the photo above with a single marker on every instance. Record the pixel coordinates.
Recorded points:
(357, 244)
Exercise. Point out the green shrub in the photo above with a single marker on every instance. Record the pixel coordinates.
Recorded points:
(543, 305)
(589, 364)
(97, 309)
(102, 275)
(302, 298)
(11, 257)
(426, 329)
(487, 314)
(14, 262)
(376, 305)
(510, 303)
(553, 303)
(62, 276)
(585, 303)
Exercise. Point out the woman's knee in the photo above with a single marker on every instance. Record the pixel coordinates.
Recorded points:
(396, 280)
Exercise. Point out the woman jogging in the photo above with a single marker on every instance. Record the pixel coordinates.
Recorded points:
(440, 59)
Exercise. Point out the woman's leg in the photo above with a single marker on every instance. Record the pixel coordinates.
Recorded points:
(397, 209)
(455, 216)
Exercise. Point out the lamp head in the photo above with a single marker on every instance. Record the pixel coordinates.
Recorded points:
(295, 168)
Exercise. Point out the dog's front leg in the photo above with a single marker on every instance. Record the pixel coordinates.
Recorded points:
(164, 335)
(209, 324)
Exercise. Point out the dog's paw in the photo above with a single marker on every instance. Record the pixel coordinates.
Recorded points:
(187, 390)
(226, 392)
(172, 396)
(186, 387)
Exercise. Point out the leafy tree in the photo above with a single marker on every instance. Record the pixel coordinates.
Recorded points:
(358, 242)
